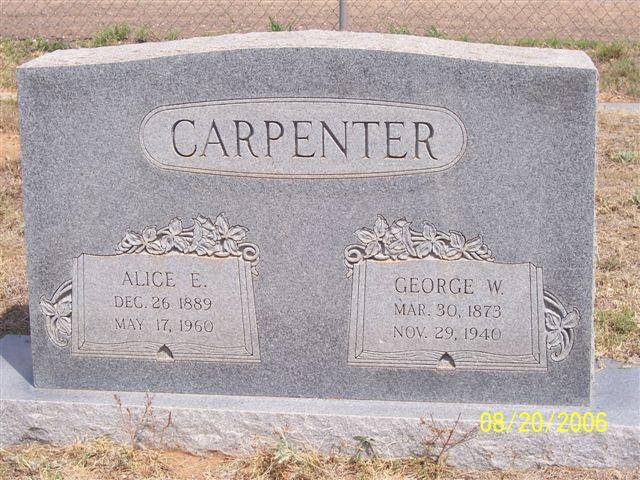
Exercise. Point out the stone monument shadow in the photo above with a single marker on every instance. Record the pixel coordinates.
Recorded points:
(15, 319)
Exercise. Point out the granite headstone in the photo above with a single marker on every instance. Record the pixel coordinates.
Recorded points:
(312, 214)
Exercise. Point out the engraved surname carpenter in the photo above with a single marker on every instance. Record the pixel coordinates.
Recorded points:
(305, 138)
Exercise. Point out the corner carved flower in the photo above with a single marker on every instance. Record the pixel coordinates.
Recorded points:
(204, 237)
(399, 241)
(57, 312)
(560, 325)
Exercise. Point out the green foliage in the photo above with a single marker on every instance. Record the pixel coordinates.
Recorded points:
(618, 322)
(18, 51)
(399, 30)
(142, 34)
(635, 198)
(617, 332)
(366, 445)
(610, 264)
(173, 34)
(624, 157)
(583, 44)
(111, 35)
(45, 45)
(275, 26)
(525, 42)
(434, 32)
(618, 62)
(15, 52)
(555, 43)
(622, 75)
(610, 51)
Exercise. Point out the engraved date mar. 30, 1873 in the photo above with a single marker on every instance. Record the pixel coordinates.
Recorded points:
(425, 298)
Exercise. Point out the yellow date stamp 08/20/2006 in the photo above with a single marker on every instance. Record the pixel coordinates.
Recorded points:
(537, 421)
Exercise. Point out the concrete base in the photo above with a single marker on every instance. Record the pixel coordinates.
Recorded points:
(200, 423)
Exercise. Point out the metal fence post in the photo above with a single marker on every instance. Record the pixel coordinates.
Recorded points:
(342, 23)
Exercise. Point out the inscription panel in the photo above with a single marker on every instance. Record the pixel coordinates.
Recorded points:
(440, 314)
(164, 307)
(303, 137)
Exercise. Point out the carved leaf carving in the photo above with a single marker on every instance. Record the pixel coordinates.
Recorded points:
(205, 237)
(57, 313)
(399, 241)
(560, 325)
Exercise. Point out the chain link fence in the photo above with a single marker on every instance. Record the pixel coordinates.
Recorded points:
(473, 19)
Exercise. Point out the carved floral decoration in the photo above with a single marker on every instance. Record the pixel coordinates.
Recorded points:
(559, 324)
(204, 237)
(57, 313)
(401, 242)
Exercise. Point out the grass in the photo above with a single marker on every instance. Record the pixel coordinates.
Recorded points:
(13, 296)
(432, 31)
(275, 26)
(625, 157)
(610, 264)
(15, 52)
(99, 459)
(621, 77)
(142, 34)
(435, 33)
(173, 34)
(616, 329)
(618, 62)
(618, 230)
(111, 35)
(399, 30)
(102, 459)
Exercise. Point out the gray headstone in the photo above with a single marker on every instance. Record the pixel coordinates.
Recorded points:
(312, 214)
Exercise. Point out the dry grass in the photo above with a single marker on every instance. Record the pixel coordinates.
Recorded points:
(618, 221)
(102, 459)
(95, 460)
(13, 296)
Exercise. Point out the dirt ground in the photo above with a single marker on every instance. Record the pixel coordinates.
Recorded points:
(478, 19)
